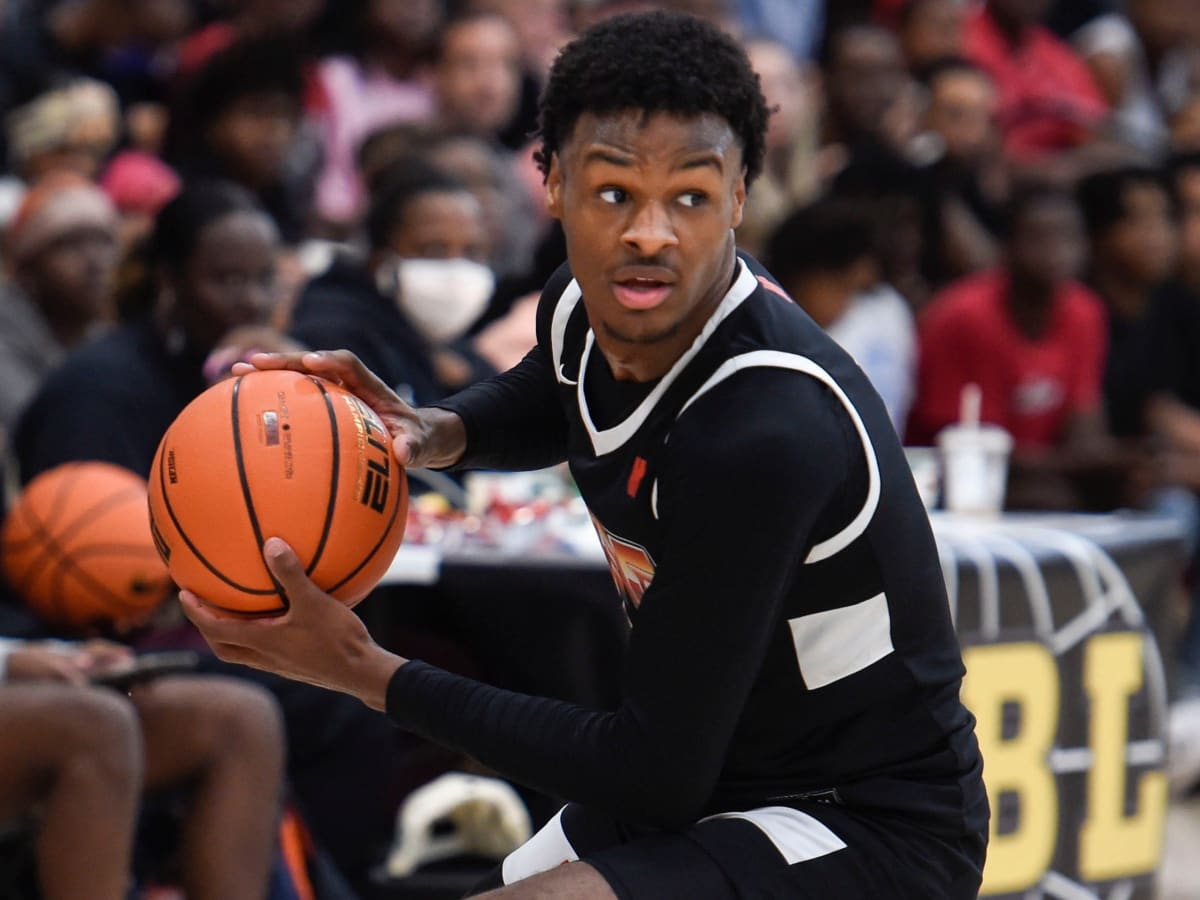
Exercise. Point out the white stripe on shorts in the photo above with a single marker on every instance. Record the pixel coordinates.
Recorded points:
(545, 850)
(796, 835)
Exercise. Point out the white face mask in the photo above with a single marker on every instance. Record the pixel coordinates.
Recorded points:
(441, 297)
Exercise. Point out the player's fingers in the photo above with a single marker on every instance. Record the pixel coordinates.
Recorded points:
(199, 614)
(350, 371)
(224, 635)
(403, 447)
(289, 572)
(284, 360)
(345, 368)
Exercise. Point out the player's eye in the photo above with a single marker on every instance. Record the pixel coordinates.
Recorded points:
(613, 195)
(692, 199)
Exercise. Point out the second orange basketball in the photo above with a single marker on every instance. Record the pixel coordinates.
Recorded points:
(276, 454)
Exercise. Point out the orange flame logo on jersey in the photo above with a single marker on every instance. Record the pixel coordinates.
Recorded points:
(631, 566)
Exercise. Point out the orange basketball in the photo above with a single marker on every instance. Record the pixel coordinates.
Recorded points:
(276, 454)
(77, 547)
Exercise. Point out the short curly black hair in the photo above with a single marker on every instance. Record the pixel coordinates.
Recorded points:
(654, 62)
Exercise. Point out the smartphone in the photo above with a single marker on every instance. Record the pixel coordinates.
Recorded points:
(146, 667)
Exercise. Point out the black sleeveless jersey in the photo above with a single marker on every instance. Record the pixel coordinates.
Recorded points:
(791, 638)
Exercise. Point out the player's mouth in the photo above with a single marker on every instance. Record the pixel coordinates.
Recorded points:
(641, 292)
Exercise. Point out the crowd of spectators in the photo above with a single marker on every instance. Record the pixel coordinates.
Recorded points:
(1003, 193)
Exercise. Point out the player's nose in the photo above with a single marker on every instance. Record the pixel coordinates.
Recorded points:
(650, 230)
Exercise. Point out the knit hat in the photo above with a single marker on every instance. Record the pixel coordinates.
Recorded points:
(137, 182)
(59, 203)
(83, 113)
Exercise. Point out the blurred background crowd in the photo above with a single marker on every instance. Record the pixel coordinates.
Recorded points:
(1003, 193)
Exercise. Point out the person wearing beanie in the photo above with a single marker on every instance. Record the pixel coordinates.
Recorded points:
(139, 185)
(59, 256)
(71, 128)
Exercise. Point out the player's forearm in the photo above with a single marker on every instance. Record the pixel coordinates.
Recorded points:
(513, 421)
(609, 760)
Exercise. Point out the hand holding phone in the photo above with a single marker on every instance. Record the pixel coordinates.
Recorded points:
(146, 667)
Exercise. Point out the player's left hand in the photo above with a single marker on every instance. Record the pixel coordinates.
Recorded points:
(319, 640)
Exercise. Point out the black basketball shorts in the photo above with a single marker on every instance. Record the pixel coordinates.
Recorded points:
(817, 851)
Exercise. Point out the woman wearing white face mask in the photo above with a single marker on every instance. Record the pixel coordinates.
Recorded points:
(403, 308)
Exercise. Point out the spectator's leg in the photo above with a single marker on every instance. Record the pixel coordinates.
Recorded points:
(224, 738)
(74, 753)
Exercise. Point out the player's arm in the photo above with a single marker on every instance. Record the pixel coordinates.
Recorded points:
(513, 421)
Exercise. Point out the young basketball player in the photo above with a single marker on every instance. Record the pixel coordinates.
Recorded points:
(790, 724)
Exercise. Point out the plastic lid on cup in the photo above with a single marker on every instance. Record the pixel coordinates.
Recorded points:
(988, 438)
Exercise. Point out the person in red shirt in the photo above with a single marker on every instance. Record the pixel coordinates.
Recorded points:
(1034, 340)
(1048, 99)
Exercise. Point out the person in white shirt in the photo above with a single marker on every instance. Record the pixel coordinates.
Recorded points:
(823, 255)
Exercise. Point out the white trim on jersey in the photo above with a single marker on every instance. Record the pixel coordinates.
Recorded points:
(797, 836)
(777, 359)
(613, 438)
(835, 643)
(567, 302)
(544, 851)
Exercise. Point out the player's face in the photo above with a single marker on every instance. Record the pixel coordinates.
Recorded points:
(648, 204)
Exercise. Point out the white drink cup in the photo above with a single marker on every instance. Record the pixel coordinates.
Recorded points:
(974, 468)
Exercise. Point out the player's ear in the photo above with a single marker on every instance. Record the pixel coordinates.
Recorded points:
(554, 187)
(739, 199)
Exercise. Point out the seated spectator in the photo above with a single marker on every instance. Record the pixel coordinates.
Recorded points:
(139, 185)
(1033, 339)
(789, 177)
(75, 753)
(477, 74)
(823, 256)
(1131, 226)
(421, 285)
(969, 171)
(45, 45)
(214, 250)
(377, 76)
(1141, 62)
(513, 211)
(867, 91)
(898, 197)
(543, 27)
(75, 759)
(71, 128)
(248, 19)
(1048, 100)
(1184, 173)
(211, 259)
(931, 30)
(1184, 125)
(239, 118)
(60, 252)
(1153, 378)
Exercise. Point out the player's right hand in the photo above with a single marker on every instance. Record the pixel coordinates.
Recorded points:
(424, 437)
